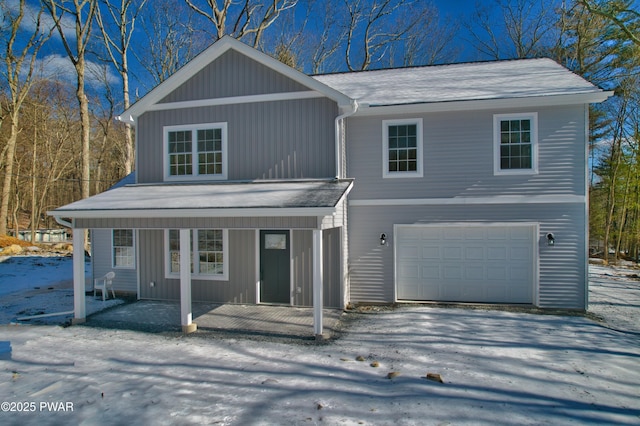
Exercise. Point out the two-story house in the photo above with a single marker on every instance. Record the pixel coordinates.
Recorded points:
(258, 184)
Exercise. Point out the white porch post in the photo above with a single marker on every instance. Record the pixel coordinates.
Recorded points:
(79, 303)
(317, 282)
(185, 282)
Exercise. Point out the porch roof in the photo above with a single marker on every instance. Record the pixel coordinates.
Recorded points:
(255, 198)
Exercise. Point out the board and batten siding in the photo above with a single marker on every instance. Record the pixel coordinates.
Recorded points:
(458, 156)
(126, 280)
(233, 74)
(266, 140)
(240, 288)
(302, 263)
(562, 268)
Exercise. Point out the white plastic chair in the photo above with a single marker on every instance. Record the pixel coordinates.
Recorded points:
(104, 284)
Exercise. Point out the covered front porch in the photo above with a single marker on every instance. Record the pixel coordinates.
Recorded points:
(169, 258)
(259, 320)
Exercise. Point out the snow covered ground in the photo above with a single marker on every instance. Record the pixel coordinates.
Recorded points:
(41, 284)
(497, 367)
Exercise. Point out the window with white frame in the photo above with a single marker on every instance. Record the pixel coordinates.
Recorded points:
(402, 148)
(196, 151)
(209, 258)
(123, 248)
(515, 143)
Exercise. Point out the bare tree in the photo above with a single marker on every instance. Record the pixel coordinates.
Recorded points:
(20, 64)
(117, 41)
(243, 19)
(172, 39)
(82, 12)
(525, 29)
(373, 28)
(46, 150)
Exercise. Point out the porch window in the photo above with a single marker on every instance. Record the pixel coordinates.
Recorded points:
(515, 143)
(402, 148)
(209, 259)
(196, 152)
(123, 248)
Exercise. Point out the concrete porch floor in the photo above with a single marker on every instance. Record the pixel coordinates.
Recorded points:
(276, 321)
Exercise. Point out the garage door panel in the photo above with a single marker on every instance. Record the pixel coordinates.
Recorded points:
(431, 253)
(452, 272)
(490, 264)
(474, 234)
(431, 272)
(409, 271)
(426, 234)
(497, 273)
(471, 292)
(409, 252)
(497, 234)
(474, 253)
(452, 234)
(474, 272)
(520, 253)
(452, 253)
(497, 253)
(521, 234)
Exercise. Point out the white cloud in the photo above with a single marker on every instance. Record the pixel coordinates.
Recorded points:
(56, 66)
(30, 19)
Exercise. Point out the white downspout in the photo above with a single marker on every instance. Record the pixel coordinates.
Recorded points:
(63, 222)
(354, 109)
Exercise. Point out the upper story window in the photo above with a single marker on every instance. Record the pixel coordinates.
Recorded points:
(402, 148)
(515, 143)
(196, 151)
(123, 254)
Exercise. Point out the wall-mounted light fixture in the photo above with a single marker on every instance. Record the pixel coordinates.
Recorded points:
(383, 239)
(551, 240)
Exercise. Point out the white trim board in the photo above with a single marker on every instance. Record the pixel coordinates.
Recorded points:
(235, 100)
(499, 199)
(205, 212)
(478, 104)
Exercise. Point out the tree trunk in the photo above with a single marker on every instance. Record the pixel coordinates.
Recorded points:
(85, 126)
(8, 173)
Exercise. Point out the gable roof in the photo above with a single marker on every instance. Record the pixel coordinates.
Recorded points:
(212, 53)
(479, 81)
(450, 86)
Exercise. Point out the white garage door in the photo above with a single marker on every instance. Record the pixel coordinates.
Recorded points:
(460, 263)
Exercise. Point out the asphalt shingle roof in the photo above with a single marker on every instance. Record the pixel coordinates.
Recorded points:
(459, 82)
(237, 195)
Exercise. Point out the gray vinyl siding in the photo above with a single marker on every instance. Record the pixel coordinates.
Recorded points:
(302, 258)
(240, 288)
(458, 156)
(126, 280)
(275, 222)
(331, 272)
(302, 267)
(266, 140)
(233, 74)
(562, 280)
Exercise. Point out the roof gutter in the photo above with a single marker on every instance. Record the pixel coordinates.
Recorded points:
(340, 118)
(61, 221)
